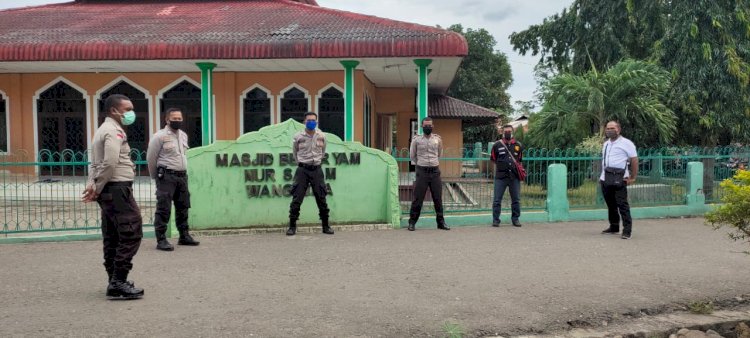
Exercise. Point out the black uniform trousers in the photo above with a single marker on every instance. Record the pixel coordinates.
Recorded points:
(172, 187)
(122, 226)
(308, 175)
(427, 177)
(618, 207)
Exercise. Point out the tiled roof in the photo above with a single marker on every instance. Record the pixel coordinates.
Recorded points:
(441, 106)
(217, 29)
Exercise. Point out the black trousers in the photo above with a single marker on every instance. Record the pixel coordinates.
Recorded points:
(618, 207)
(122, 227)
(171, 188)
(427, 177)
(311, 176)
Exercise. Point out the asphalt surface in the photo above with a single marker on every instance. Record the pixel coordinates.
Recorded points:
(390, 283)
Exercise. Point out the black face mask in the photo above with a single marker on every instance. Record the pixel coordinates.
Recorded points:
(175, 124)
(610, 133)
(427, 130)
(508, 136)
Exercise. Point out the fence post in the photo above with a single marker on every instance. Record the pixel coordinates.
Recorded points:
(656, 169)
(558, 207)
(694, 196)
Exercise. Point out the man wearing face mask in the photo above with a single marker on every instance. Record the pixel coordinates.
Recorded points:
(617, 153)
(167, 164)
(425, 154)
(110, 184)
(505, 154)
(308, 148)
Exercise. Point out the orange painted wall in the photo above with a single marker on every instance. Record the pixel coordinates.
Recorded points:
(21, 88)
(228, 87)
(451, 134)
(400, 101)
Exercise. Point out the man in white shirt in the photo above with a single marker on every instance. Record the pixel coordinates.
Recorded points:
(617, 153)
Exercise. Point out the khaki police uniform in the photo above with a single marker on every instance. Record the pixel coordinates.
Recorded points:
(425, 153)
(167, 164)
(308, 151)
(111, 172)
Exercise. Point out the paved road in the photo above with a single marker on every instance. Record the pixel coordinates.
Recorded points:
(389, 283)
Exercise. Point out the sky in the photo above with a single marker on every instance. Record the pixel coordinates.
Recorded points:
(499, 17)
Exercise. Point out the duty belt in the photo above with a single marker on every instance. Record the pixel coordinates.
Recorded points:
(429, 169)
(175, 172)
(308, 166)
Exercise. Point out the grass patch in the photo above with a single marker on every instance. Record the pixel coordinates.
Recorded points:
(701, 308)
(453, 330)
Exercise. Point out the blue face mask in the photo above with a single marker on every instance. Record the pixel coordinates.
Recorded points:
(128, 118)
(311, 125)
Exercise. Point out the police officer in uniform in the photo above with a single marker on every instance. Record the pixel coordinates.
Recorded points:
(308, 148)
(425, 152)
(110, 184)
(505, 154)
(167, 164)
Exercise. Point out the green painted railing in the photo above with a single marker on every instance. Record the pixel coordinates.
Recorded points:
(662, 174)
(42, 193)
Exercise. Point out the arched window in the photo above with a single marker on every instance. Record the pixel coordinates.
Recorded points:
(61, 119)
(138, 132)
(256, 112)
(294, 105)
(186, 97)
(331, 111)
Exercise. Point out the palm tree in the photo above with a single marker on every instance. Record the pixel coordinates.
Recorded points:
(579, 106)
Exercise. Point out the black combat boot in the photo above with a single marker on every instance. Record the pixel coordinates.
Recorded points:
(119, 288)
(111, 276)
(292, 227)
(186, 239)
(162, 243)
(327, 228)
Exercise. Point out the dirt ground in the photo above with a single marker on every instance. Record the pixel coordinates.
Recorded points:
(390, 283)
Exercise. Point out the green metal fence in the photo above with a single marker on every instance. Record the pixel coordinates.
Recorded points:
(469, 176)
(42, 193)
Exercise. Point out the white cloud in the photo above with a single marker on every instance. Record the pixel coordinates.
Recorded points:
(499, 17)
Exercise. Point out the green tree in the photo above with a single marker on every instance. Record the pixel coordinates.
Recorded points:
(482, 79)
(707, 50)
(704, 44)
(484, 76)
(593, 31)
(483, 133)
(523, 108)
(578, 106)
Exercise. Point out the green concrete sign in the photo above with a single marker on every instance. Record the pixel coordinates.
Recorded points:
(247, 183)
